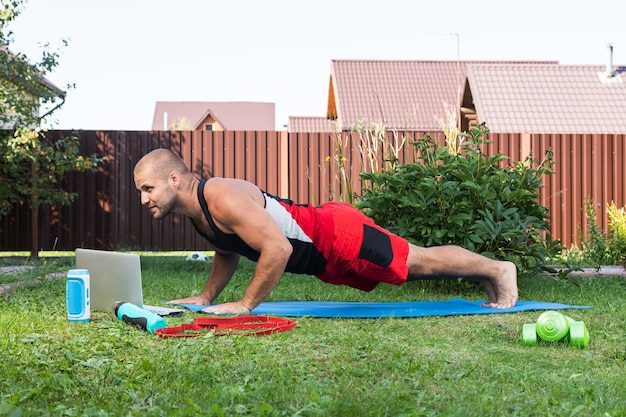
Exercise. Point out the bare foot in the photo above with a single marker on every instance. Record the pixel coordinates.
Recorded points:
(502, 290)
(492, 295)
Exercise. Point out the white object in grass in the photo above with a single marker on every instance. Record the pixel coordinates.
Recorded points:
(197, 256)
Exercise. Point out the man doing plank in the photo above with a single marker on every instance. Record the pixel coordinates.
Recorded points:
(333, 241)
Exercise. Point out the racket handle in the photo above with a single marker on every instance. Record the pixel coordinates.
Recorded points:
(140, 317)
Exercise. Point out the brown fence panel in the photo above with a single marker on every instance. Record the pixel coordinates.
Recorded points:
(107, 213)
(587, 167)
(89, 219)
(509, 144)
(14, 229)
(303, 167)
(310, 176)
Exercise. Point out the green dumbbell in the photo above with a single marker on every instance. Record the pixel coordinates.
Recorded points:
(552, 326)
(529, 334)
(578, 334)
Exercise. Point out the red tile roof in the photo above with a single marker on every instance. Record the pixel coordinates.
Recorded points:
(230, 115)
(406, 94)
(549, 99)
(302, 124)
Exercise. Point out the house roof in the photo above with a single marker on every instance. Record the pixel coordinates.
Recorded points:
(549, 99)
(230, 115)
(16, 76)
(308, 124)
(407, 95)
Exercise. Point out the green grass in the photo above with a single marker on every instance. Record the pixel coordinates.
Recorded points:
(433, 366)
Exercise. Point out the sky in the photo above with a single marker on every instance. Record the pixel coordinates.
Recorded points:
(125, 55)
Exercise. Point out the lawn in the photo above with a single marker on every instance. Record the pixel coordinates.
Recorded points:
(433, 366)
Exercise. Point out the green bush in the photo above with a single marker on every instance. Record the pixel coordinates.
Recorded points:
(599, 247)
(458, 195)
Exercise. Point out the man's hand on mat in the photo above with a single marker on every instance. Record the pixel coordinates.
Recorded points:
(227, 308)
(202, 300)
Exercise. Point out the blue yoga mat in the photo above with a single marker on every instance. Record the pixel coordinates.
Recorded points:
(340, 309)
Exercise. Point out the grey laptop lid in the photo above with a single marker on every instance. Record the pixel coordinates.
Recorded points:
(113, 276)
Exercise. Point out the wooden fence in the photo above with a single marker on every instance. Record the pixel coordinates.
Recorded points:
(305, 167)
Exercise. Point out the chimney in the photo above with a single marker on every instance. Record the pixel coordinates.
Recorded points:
(165, 121)
(609, 65)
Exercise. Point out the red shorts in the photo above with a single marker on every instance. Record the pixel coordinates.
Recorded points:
(359, 253)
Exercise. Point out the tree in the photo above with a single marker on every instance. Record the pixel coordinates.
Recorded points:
(32, 167)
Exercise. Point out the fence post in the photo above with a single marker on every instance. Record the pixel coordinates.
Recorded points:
(525, 147)
(283, 164)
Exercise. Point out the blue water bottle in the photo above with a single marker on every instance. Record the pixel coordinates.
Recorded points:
(77, 295)
(132, 314)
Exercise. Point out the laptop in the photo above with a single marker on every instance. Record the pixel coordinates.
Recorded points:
(113, 277)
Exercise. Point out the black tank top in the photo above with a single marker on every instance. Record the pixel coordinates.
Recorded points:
(305, 258)
(225, 241)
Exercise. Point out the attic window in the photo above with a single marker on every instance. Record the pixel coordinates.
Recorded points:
(208, 127)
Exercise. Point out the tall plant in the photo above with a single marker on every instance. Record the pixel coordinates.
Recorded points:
(617, 234)
(601, 247)
(377, 149)
(461, 196)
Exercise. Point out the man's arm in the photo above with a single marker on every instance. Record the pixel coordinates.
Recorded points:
(269, 269)
(224, 266)
(239, 209)
(274, 255)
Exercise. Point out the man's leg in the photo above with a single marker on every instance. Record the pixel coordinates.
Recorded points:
(444, 262)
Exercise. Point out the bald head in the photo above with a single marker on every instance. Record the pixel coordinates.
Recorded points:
(160, 163)
(161, 177)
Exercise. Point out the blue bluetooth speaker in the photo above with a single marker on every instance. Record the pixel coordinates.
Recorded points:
(77, 295)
